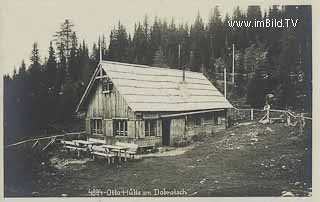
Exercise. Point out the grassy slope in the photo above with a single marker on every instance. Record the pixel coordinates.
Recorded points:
(226, 164)
(230, 165)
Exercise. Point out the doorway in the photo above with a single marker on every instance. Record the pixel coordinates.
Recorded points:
(166, 132)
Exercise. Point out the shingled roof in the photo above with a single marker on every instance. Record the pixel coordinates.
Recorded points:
(148, 88)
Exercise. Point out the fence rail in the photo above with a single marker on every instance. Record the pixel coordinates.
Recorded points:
(36, 140)
(258, 114)
(238, 116)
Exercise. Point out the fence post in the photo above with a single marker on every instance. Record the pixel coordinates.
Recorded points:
(251, 114)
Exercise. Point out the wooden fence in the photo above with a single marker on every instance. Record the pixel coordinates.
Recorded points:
(237, 115)
(49, 140)
(244, 115)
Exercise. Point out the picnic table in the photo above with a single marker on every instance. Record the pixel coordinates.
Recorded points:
(117, 149)
(84, 145)
(85, 142)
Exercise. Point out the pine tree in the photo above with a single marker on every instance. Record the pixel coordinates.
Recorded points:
(35, 57)
(139, 41)
(216, 35)
(86, 65)
(63, 39)
(197, 43)
(155, 37)
(51, 68)
(254, 14)
(118, 47)
(35, 69)
(61, 74)
(159, 59)
(74, 59)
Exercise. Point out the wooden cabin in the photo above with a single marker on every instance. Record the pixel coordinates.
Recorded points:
(150, 105)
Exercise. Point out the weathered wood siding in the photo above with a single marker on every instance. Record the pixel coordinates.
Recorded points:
(107, 105)
(159, 128)
(131, 130)
(136, 134)
(208, 129)
(177, 129)
(87, 126)
(207, 123)
(108, 127)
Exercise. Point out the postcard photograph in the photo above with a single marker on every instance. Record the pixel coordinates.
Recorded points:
(157, 98)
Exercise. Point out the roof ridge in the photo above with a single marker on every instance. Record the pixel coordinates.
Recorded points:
(139, 88)
(146, 66)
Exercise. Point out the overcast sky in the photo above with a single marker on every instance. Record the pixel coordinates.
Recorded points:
(23, 22)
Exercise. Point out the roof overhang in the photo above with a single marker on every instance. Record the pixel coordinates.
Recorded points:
(190, 113)
(86, 92)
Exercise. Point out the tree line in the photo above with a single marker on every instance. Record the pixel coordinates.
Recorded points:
(267, 60)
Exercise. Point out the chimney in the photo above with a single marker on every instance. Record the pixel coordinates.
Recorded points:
(179, 64)
(191, 59)
(179, 55)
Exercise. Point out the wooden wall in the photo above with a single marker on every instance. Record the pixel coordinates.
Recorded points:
(107, 105)
(113, 105)
(182, 128)
(136, 134)
(177, 129)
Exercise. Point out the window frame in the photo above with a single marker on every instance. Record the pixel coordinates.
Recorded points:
(96, 126)
(120, 127)
(107, 87)
(150, 127)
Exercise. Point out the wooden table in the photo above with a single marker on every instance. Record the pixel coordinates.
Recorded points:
(117, 149)
(85, 144)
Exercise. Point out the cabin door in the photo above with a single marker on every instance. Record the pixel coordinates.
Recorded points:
(166, 132)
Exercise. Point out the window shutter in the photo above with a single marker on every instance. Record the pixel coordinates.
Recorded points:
(88, 128)
(142, 129)
(131, 129)
(219, 120)
(104, 126)
(159, 128)
(109, 128)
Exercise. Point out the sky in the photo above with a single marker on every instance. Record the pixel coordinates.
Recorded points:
(23, 22)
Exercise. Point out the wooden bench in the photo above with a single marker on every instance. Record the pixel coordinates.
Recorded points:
(102, 152)
(96, 140)
(145, 145)
(132, 148)
(73, 146)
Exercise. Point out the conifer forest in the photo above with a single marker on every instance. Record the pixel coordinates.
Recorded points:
(267, 61)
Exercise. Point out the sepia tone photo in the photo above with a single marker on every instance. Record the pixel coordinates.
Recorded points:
(157, 99)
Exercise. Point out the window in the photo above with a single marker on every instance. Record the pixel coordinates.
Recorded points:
(139, 115)
(219, 122)
(107, 87)
(194, 121)
(208, 119)
(207, 116)
(120, 127)
(215, 118)
(150, 127)
(197, 121)
(96, 126)
(218, 118)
